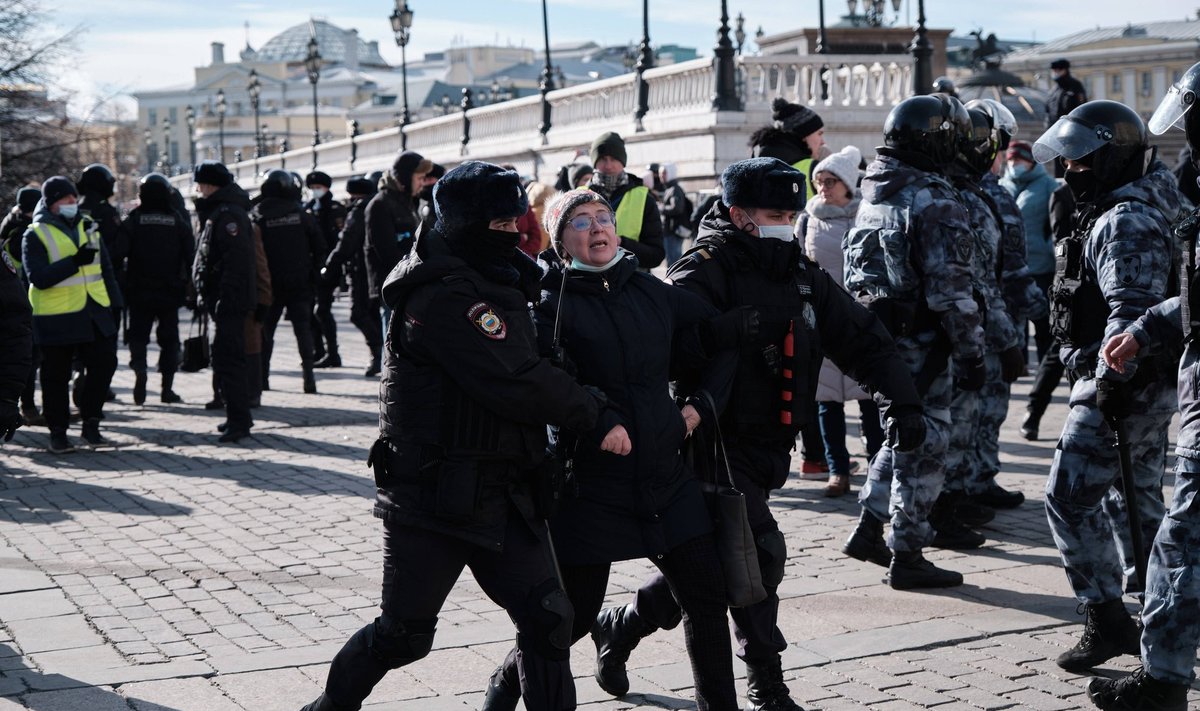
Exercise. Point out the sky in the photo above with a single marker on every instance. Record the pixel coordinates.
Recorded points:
(128, 45)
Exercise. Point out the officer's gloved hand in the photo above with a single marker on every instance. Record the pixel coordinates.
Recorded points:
(10, 419)
(1012, 364)
(329, 276)
(729, 329)
(261, 311)
(1114, 399)
(970, 375)
(85, 255)
(906, 429)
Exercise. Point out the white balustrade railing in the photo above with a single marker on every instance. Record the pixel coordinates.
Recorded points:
(851, 80)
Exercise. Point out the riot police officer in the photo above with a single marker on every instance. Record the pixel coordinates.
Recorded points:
(159, 248)
(1170, 627)
(225, 281)
(923, 294)
(1115, 265)
(463, 408)
(331, 217)
(347, 259)
(96, 185)
(295, 252)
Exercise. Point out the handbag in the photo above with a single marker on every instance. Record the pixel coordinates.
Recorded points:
(731, 524)
(195, 347)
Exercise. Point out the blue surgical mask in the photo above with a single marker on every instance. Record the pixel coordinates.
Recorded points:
(68, 212)
(784, 233)
(1018, 170)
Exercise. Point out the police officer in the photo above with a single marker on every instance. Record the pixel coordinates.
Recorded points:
(392, 222)
(923, 294)
(225, 280)
(1067, 94)
(16, 345)
(74, 294)
(746, 255)
(1114, 266)
(12, 230)
(331, 217)
(1170, 626)
(159, 247)
(639, 225)
(347, 258)
(96, 186)
(295, 252)
(463, 410)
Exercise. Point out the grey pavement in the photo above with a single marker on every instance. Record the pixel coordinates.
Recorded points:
(168, 572)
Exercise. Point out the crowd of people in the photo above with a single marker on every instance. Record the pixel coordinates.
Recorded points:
(549, 407)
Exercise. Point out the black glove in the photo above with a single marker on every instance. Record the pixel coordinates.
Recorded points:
(969, 375)
(1012, 364)
(261, 311)
(85, 255)
(1114, 399)
(906, 430)
(329, 276)
(10, 419)
(729, 329)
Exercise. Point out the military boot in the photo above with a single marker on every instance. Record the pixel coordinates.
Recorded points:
(964, 509)
(1137, 692)
(500, 695)
(139, 387)
(91, 432)
(1108, 631)
(910, 571)
(765, 690)
(866, 543)
(321, 704)
(310, 380)
(1029, 426)
(616, 632)
(949, 531)
(373, 369)
(331, 360)
(167, 395)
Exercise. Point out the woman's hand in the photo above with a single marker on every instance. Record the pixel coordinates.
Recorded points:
(691, 418)
(617, 441)
(1119, 349)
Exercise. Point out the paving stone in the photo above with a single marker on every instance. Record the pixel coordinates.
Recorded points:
(181, 694)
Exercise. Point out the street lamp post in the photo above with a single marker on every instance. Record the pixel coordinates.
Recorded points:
(165, 160)
(823, 47)
(401, 19)
(922, 50)
(149, 150)
(739, 33)
(352, 133)
(312, 64)
(645, 61)
(254, 89)
(221, 108)
(467, 105)
(726, 97)
(190, 115)
(546, 80)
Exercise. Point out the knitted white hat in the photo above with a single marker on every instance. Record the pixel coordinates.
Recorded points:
(844, 165)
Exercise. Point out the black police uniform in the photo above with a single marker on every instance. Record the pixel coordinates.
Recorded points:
(225, 279)
(159, 247)
(331, 217)
(465, 399)
(348, 256)
(12, 229)
(16, 343)
(295, 253)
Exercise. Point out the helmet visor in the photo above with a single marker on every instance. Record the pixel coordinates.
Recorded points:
(1071, 138)
(1171, 110)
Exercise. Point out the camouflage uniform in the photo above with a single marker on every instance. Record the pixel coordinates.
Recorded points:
(1171, 612)
(1128, 250)
(902, 486)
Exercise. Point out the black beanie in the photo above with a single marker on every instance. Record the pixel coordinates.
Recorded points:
(608, 144)
(360, 186)
(57, 188)
(475, 193)
(795, 118)
(765, 183)
(211, 172)
(27, 199)
(318, 178)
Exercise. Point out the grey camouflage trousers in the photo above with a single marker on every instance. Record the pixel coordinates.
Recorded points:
(1084, 470)
(973, 459)
(902, 486)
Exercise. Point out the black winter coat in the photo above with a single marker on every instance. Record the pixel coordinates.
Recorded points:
(1067, 95)
(624, 330)
(159, 247)
(294, 245)
(465, 398)
(330, 216)
(348, 254)
(391, 228)
(225, 271)
(12, 228)
(16, 333)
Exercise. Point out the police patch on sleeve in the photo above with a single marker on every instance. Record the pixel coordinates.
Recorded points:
(489, 323)
(1128, 269)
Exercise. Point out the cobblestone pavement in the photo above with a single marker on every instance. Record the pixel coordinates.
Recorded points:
(170, 572)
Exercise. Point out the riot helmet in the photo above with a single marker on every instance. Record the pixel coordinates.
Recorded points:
(98, 179)
(1176, 109)
(976, 148)
(296, 190)
(944, 85)
(924, 126)
(1106, 136)
(1004, 124)
(276, 184)
(154, 188)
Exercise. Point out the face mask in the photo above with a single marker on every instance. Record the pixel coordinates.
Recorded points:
(1083, 185)
(783, 233)
(579, 266)
(68, 212)
(1018, 170)
(318, 193)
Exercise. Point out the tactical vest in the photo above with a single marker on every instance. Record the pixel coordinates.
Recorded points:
(71, 294)
(631, 211)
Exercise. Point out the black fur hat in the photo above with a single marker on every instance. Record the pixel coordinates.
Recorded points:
(318, 178)
(475, 193)
(211, 172)
(766, 183)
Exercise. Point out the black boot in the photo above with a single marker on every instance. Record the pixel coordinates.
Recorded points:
(139, 387)
(964, 509)
(310, 380)
(91, 432)
(500, 695)
(1137, 692)
(949, 531)
(616, 632)
(866, 543)
(910, 571)
(765, 690)
(997, 497)
(167, 395)
(373, 370)
(321, 704)
(331, 360)
(1108, 631)
(1029, 427)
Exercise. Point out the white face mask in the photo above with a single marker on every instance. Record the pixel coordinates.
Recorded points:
(780, 232)
(318, 193)
(68, 212)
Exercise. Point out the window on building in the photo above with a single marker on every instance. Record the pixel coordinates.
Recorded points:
(174, 154)
(174, 115)
(1147, 84)
(151, 117)
(1115, 84)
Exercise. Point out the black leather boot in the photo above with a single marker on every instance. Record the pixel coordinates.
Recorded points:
(167, 395)
(866, 543)
(1029, 426)
(373, 369)
(1137, 692)
(765, 690)
(322, 703)
(910, 571)
(331, 360)
(616, 632)
(139, 387)
(1108, 631)
(500, 695)
(310, 380)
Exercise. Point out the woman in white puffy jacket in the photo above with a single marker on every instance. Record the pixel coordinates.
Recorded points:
(826, 218)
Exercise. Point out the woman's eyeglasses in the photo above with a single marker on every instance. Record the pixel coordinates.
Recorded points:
(584, 222)
(826, 182)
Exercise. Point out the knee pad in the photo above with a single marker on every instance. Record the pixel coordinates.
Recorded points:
(772, 557)
(544, 626)
(395, 644)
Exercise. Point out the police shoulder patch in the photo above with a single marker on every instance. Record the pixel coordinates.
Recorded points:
(489, 323)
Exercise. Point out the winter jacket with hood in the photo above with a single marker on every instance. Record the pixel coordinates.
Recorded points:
(391, 227)
(1032, 190)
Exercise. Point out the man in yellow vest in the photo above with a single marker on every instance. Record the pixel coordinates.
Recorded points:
(73, 291)
(796, 137)
(638, 223)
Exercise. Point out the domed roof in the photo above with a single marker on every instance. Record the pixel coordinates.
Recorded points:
(291, 45)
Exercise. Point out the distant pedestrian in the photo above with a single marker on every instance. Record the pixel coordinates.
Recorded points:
(347, 259)
(330, 216)
(16, 345)
(1065, 96)
(392, 222)
(12, 230)
(639, 226)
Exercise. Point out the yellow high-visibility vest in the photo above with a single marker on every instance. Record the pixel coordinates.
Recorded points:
(630, 212)
(71, 294)
(804, 166)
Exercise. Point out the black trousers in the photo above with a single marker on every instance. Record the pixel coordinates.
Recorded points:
(142, 316)
(99, 360)
(1042, 338)
(28, 401)
(420, 568)
(324, 327)
(364, 311)
(810, 437)
(229, 368)
(299, 312)
(1049, 374)
(758, 636)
